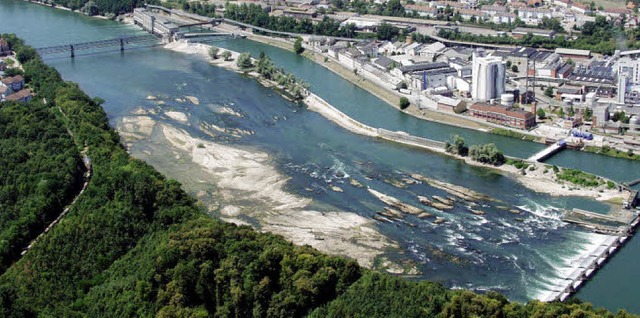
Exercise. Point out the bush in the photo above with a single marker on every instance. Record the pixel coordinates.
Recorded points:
(244, 61)
(487, 153)
(297, 46)
(611, 184)
(226, 55)
(213, 52)
(404, 102)
(456, 146)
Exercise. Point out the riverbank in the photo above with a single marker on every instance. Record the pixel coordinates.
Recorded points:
(537, 177)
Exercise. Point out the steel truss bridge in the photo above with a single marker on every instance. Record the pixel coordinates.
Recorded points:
(115, 42)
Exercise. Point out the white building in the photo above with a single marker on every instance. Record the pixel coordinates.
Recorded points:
(488, 77)
(630, 67)
(622, 87)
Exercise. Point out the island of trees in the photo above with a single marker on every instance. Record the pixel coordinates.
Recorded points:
(135, 244)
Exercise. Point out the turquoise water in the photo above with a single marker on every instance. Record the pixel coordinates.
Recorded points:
(522, 258)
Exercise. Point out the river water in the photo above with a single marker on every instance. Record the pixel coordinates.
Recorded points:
(521, 255)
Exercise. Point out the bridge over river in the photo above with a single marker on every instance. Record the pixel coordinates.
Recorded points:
(122, 42)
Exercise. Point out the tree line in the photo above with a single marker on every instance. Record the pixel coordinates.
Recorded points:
(135, 244)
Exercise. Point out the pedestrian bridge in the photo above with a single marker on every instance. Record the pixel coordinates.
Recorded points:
(548, 152)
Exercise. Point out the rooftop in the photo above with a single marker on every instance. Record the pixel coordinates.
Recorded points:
(13, 79)
(423, 67)
(585, 53)
(19, 95)
(534, 31)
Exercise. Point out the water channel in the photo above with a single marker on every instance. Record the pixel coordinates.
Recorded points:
(521, 255)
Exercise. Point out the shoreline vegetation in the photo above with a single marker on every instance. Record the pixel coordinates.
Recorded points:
(135, 244)
(538, 177)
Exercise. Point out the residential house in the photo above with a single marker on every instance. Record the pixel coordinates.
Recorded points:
(4, 47)
(504, 18)
(13, 84)
(421, 10)
(452, 4)
(503, 115)
(580, 8)
(467, 14)
(23, 96)
(533, 16)
(492, 10)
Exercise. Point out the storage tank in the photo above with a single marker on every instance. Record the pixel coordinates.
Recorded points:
(506, 99)
(634, 122)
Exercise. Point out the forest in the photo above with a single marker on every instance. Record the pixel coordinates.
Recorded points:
(136, 245)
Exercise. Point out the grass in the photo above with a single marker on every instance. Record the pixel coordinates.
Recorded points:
(612, 152)
(579, 177)
(520, 164)
(512, 134)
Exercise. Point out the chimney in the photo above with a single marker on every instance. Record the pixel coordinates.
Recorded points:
(534, 109)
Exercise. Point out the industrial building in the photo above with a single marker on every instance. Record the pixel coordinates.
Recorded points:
(488, 77)
(503, 115)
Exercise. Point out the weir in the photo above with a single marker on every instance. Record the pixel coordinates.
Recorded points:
(619, 234)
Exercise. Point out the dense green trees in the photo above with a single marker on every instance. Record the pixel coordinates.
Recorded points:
(41, 172)
(135, 245)
(487, 153)
(601, 36)
(254, 14)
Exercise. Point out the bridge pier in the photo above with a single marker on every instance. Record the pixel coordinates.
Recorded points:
(73, 53)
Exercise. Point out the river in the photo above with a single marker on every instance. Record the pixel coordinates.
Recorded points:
(521, 255)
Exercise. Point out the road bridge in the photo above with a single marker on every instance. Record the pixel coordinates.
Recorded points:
(121, 42)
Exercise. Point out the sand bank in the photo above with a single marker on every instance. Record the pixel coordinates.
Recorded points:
(249, 188)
